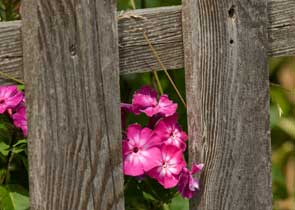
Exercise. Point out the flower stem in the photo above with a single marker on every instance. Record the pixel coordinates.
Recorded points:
(156, 55)
(133, 4)
(7, 76)
(158, 82)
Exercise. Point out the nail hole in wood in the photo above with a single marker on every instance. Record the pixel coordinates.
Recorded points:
(231, 41)
(231, 11)
(73, 50)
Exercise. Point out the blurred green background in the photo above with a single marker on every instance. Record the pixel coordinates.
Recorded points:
(282, 105)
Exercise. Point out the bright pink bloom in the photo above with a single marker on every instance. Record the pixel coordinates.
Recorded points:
(171, 133)
(140, 151)
(187, 185)
(145, 100)
(168, 167)
(10, 97)
(20, 119)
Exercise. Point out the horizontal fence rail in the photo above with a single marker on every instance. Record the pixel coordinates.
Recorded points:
(164, 28)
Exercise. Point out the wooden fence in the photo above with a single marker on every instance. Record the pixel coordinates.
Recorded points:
(70, 55)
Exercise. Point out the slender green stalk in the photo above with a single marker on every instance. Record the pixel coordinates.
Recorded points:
(133, 4)
(158, 82)
(7, 76)
(156, 55)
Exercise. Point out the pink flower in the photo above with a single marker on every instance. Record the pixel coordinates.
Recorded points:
(171, 133)
(145, 100)
(140, 151)
(187, 184)
(20, 119)
(10, 97)
(168, 167)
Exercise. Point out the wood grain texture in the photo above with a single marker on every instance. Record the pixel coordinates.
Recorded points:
(11, 58)
(164, 28)
(282, 27)
(227, 92)
(71, 69)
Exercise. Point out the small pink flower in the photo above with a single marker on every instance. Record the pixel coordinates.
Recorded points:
(171, 133)
(145, 100)
(140, 151)
(187, 185)
(168, 167)
(20, 119)
(10, 97)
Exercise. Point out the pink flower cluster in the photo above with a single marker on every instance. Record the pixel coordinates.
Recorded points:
(12, 102)
(157, 149)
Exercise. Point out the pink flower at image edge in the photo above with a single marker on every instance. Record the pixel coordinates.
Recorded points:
(187, 184)
(10, 97)
(20, 119)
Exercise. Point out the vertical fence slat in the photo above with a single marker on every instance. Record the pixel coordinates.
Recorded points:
(71, 68)
(228, 101)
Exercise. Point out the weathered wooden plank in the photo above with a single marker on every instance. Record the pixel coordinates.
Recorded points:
(11, 61)
(164, 28)
(227, 92)
(282, 27)
(71, 69)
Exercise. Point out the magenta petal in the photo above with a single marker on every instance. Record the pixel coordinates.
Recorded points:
(133, 132)
(150, 111)
(20, 119)
(132, 165)
(166, 106)
(197, 168)
(13, 101)
(146, 134)
(126, 107)
(168, 181)
(170, 151)
(10, 97)
(152, 158)
(145, 97)
(3, 108)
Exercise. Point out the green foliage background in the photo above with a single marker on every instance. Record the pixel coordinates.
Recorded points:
(282, 115)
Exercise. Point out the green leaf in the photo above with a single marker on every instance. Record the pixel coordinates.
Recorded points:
(21, 87)
(288, 125)
(19, 146)
(179, 203)
(13, 197)
(4, 148)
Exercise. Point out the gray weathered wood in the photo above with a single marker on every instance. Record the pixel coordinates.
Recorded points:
(163, 26)
(282, 27)
(11, 60)
(228, 102)
(71, 69)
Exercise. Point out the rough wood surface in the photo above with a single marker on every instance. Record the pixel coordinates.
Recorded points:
(164, 28)
(71, 68)
(11, 60)
(282, 27)
(227, 92)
